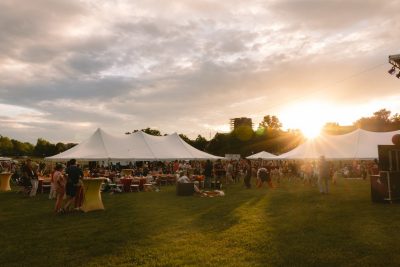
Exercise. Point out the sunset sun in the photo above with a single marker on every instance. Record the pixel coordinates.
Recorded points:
(308, 117)
(311, 131)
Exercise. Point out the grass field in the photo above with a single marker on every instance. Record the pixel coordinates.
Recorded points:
(292, 225)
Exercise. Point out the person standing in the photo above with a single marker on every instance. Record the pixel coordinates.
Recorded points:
(218, 170)
(74, 174)
(29, 172)
(323, 178)
(53, 193)
(308, 172)
(247, 174)
(208, 172)
(59, 187)
(229, 173)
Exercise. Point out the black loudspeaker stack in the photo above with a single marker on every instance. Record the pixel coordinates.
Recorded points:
(385, 187)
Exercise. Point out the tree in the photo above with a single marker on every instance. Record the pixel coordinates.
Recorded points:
(270, 122)
(185, 138)
(60, 147)
(379, 122)
(6, 146)
(21, 149)
(243, 133)
(148, 130)
(382, 115)
(70, 145)
(44, 148)
(200, 143)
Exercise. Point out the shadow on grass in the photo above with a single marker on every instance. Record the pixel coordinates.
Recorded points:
(340, 229)
(290, 226)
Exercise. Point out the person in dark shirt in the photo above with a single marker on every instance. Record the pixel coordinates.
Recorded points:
(219, 170)
(29, 178)
(247, 174)
(74, 174)
(208, 171)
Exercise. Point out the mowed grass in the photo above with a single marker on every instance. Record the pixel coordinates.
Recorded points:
(292, 225)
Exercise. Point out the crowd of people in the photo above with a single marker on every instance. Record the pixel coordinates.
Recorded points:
(66, 181)
(66, 185)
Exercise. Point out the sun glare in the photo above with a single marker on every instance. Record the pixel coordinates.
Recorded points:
(311, 131)
(308, 117)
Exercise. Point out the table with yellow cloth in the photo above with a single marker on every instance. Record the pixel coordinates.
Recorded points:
(92, 196)
(5, 181)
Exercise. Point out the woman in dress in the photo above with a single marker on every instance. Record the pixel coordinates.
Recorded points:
(59, 184)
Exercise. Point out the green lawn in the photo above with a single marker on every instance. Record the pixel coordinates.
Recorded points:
(292, 225)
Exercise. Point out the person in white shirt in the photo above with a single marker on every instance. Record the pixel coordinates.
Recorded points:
(229, 173)
(183, 179)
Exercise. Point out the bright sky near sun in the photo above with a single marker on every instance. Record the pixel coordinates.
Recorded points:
(68, 67)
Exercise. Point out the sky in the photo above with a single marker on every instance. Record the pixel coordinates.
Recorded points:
(69, 67)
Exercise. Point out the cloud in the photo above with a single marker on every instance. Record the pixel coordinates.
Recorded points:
(185, 66)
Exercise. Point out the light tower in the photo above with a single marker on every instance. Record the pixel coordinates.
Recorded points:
(395, 61)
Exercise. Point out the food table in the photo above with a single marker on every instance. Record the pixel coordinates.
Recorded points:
(92, 196)
(5, 181)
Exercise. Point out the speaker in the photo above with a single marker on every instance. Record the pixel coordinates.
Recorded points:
(389, 157)
(385, 186)
(185, 189)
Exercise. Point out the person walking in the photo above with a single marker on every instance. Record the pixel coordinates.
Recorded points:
(323, 177)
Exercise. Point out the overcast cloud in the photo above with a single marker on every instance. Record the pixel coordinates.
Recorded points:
(68, 67)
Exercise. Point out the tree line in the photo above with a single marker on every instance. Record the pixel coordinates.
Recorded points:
(42, 148)
(269, 136)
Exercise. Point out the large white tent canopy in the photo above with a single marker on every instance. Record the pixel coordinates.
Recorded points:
(359, 144)
(138, 146)
(262, 155)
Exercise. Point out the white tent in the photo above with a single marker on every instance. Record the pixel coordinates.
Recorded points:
(359, 144)
(135, 147)
(262, 155)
